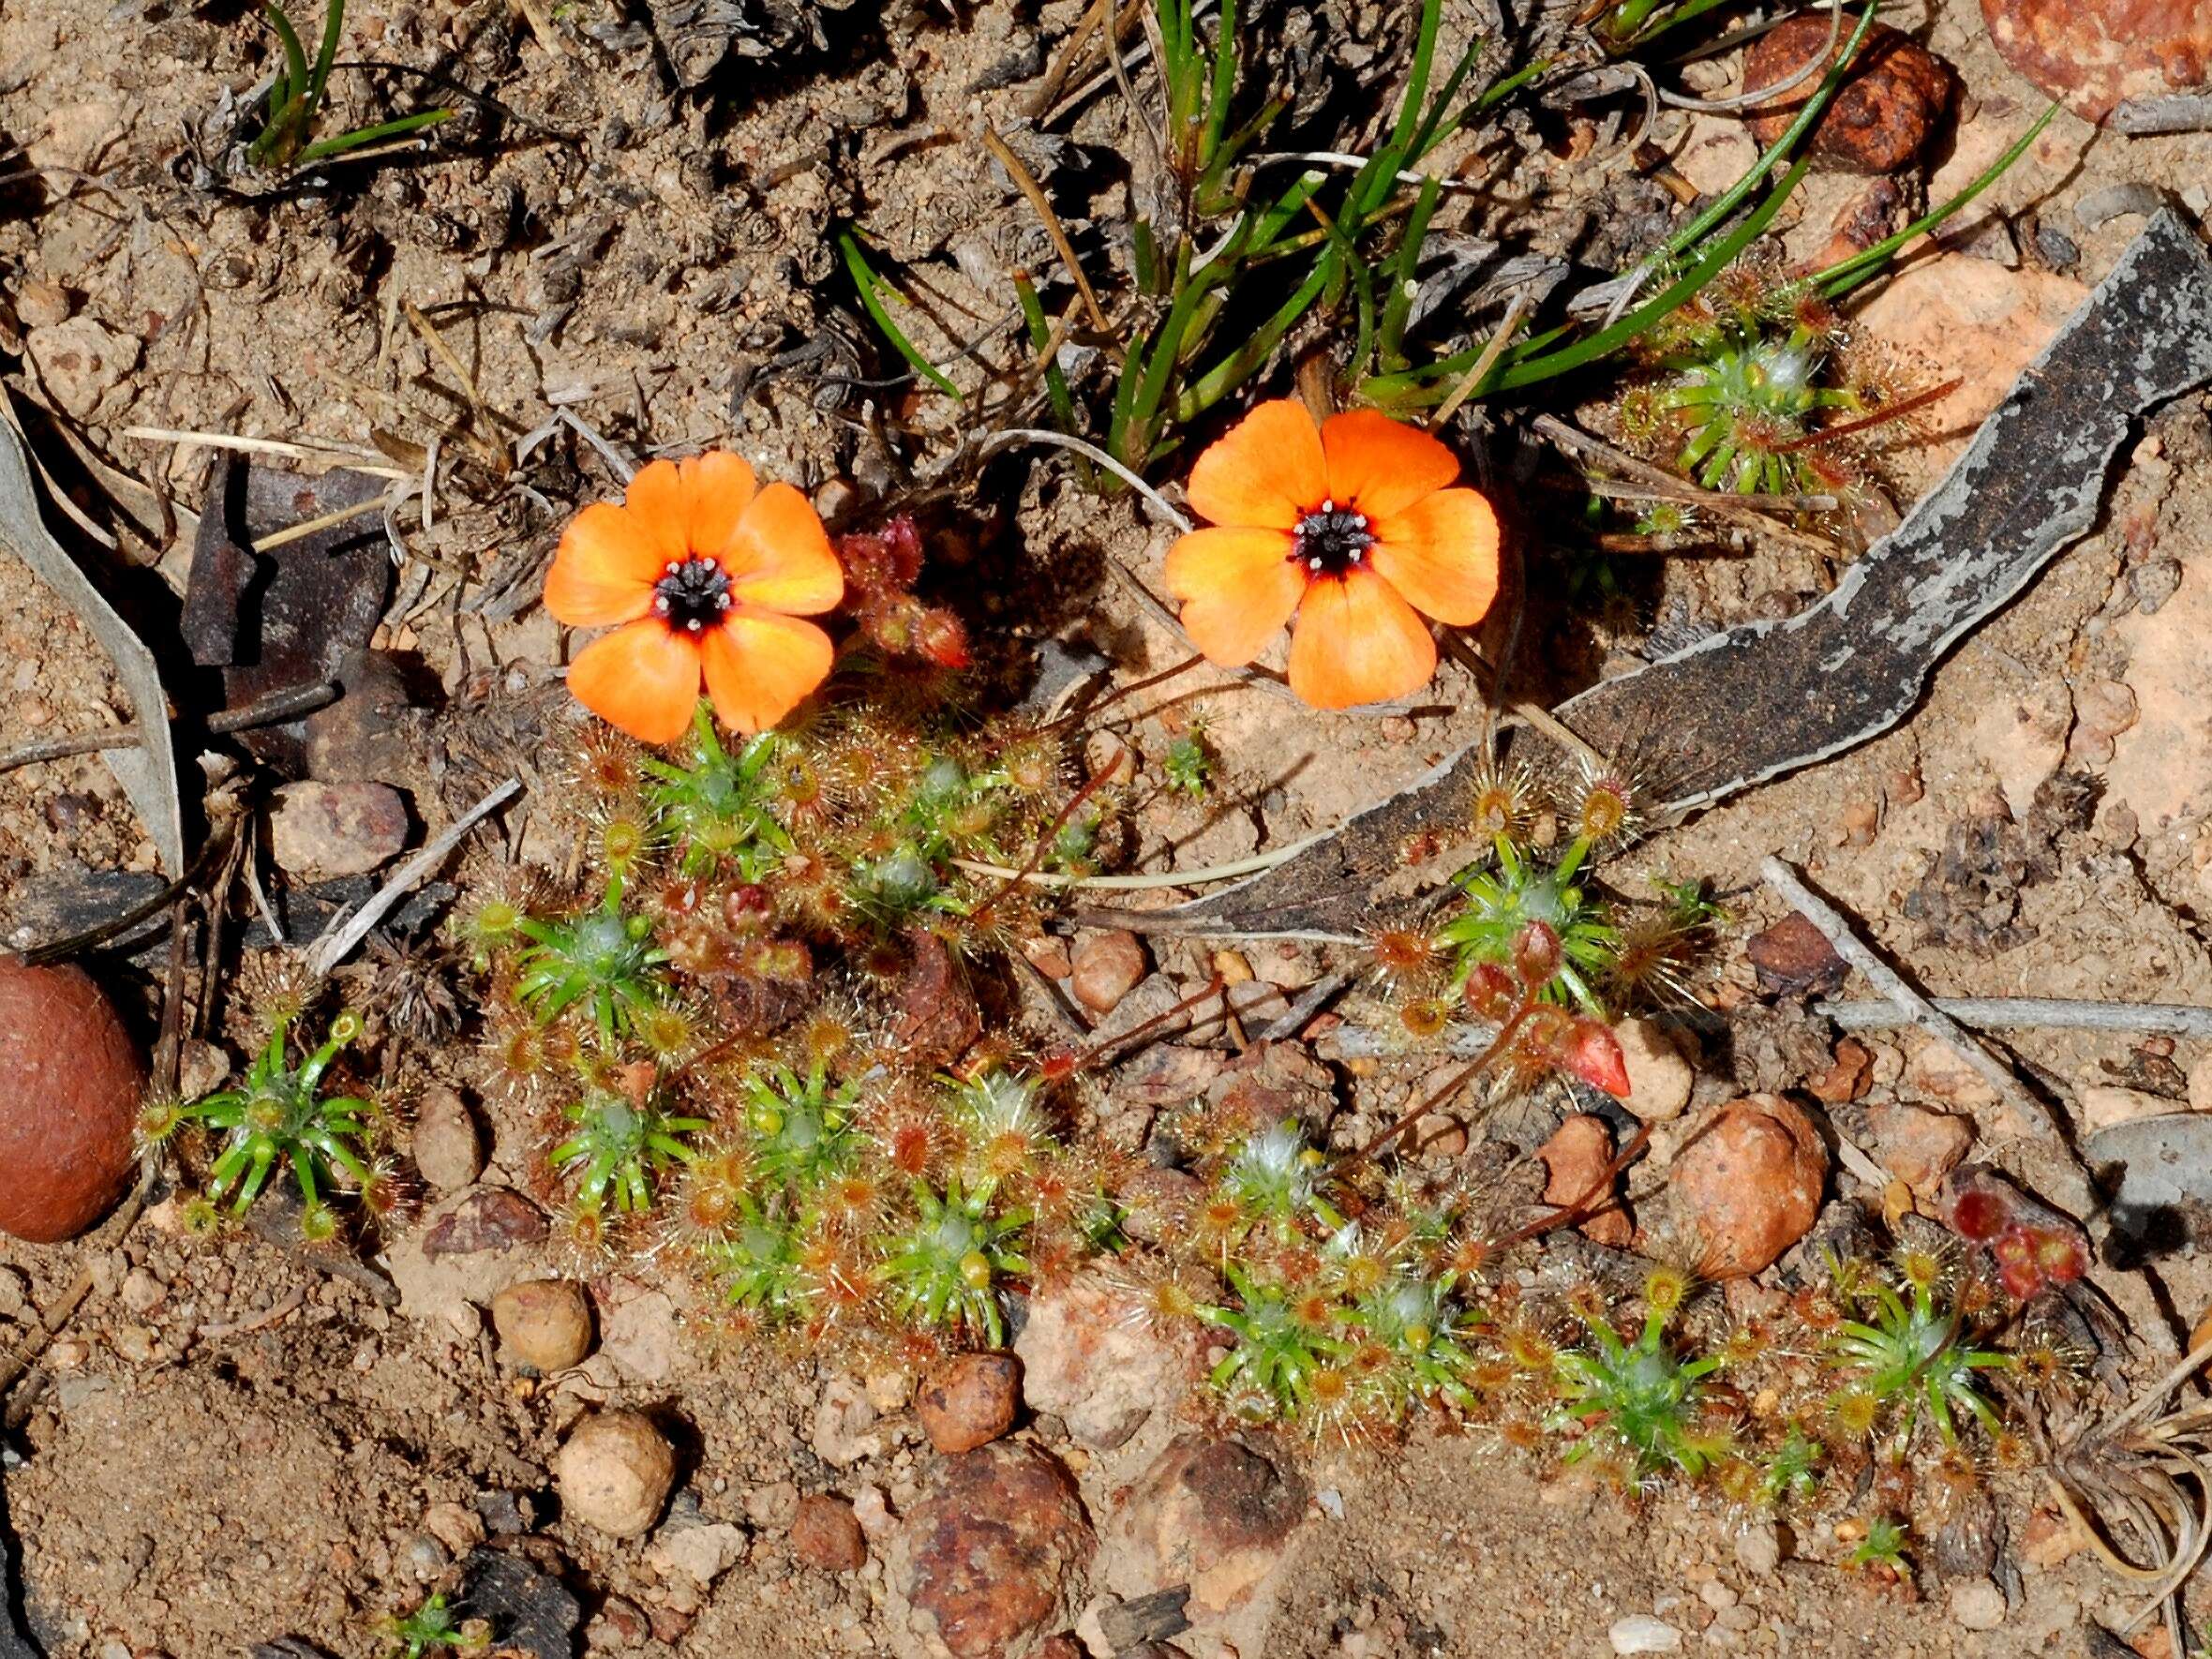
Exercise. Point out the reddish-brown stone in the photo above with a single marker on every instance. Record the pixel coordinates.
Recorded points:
(70, 1086)
(2094, 55)
(1793, 958)
(827, 1534)
(1883, 114)
(1575, 1161)
(969, 1401)
(1214, 1515)
(1749, 1182)
(995, 1556)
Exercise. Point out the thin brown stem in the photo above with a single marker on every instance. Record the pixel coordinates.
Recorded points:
(1880, 418)
(1119, 693)
(1044, 842)
(1452, 1086)
(1098, 1051)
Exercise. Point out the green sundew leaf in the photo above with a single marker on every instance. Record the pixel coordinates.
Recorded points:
(871, 289)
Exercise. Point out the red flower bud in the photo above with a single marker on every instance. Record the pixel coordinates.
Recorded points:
(940, 640)
(1977, 1214)
(1593, 1053)
(1491, 991)
(1536, 953)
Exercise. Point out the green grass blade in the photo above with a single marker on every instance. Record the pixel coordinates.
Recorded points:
(1416, 99)
(1223, 88)
(1239, 365)
(334, 21)
(1843, 276)
(1041, 339)
(287, 106)
(1430, 134)
(1729, 199)
(1403, 270)
(296, 55)
(870, 288)
(399, 127)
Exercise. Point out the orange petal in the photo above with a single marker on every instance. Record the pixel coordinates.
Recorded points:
(1266, 470)
(1357, 642)
(1238, 588)
(1442, 554)
(717, 488)
(656, 499)
(641, 678)
(779, 557)
(1382, 466)
(761, 666)
(604, 569)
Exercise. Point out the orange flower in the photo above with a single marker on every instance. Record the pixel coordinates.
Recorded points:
(1348, 527)
(707, 576)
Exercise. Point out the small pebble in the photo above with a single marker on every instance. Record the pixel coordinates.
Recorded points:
(1106, 967)
(1758, 1548)
(543, 1323)
(1640, 1632)
(969, 1401)
(1977, 1604)
(827, 1534)
(615, 1472)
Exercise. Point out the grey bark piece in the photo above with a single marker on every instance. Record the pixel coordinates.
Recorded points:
(1767, 698)
(147, 771)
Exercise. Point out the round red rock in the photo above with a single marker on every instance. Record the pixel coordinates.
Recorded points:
(70, 1086)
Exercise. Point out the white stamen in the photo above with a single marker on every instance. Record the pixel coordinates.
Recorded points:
(693, 624)
(722, 602)
(1356, 554)
(1313, 564)
(673, 567)
(661, 604)
(1328, 503)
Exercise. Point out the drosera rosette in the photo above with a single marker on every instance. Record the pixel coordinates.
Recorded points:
(433, 1628)
(1004, 1127)
(719, 809)
(281, 1115)
(944, 1270)
(1275, 1179)
(1912, 1352)
(1647, 1400)
(799, 1128)
(603, 960)
(1414, 1336)
(1520, 905)
(1285, 1335)
(625, 1141)
(759, 1260)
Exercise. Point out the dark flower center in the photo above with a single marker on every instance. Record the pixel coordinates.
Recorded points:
(691, 593)
(1332, 541)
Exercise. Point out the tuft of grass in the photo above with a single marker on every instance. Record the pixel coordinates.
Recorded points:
(287, 136)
